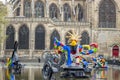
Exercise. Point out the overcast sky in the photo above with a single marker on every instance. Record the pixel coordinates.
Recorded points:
(3, 1)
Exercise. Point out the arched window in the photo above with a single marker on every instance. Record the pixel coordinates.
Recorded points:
(40, 37)
(53, 11)
(84, 38)
(107, 14)
(79, 12)
(10, 32)
(18, 12)
(66, 39)
(27, 9)
(39, 9)
(67, 12)
(23, 37)
(53, 35)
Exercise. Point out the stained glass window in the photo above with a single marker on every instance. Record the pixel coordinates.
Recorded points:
(10, 32)
(39, 9)
(107, 14)
(23, 37)
(18, 12)
(40, 37)
(79, 12)
(53, 11)
(85, 38)
(27, 9)
(67, 12)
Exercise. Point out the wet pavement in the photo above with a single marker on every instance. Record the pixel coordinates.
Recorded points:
(34, 73)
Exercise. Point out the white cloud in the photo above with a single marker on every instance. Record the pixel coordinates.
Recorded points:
(4, 1)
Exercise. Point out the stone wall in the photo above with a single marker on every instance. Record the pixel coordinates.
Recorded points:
(106, 38)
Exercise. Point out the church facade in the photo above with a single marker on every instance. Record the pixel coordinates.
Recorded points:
(35, 23)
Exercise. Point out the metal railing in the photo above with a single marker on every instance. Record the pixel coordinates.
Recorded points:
(71, 23)
(24, 19)
(45, 19)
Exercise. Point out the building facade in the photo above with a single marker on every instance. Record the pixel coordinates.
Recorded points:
(35, 23)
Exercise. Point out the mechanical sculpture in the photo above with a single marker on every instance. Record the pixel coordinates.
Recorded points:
(68, 59)
(100, 62)
(13, 63)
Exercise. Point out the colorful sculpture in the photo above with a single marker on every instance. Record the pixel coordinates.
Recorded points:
(13, 62)
(99, 62)
(74, 50)
(14, 58)
(68, 58)
(10, 76)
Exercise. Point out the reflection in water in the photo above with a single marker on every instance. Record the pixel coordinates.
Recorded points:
(116, 74)
(101, 74)
(35, 74)
(10, 75)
